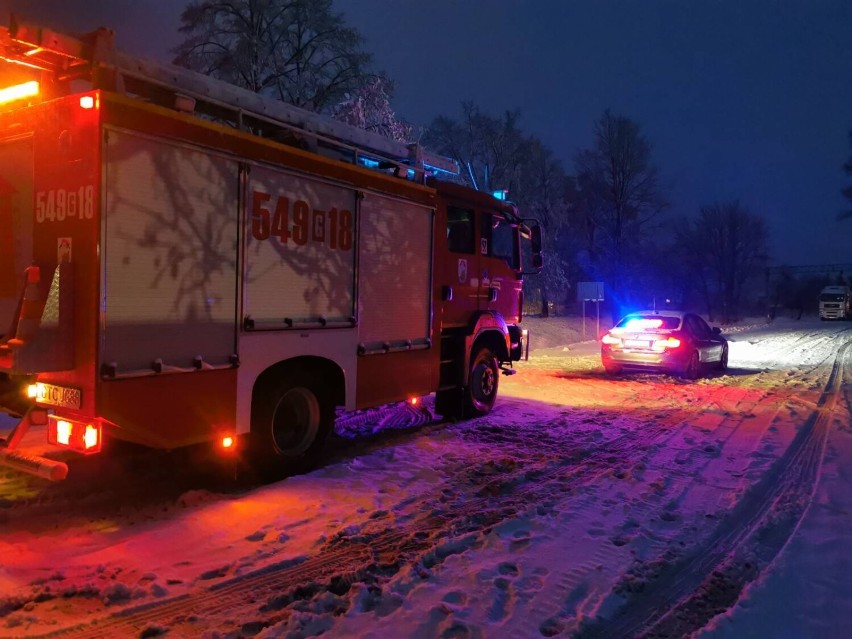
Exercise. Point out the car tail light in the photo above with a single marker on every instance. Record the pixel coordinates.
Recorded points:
(663, 344)
(83, 437)
(610, 339)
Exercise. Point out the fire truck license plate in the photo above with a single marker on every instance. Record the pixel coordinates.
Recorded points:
(58, 395)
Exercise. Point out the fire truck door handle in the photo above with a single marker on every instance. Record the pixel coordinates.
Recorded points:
(447, 293)
(492, 294)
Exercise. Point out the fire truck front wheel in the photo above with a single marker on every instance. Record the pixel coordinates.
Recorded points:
(291, 422)
(481, 390)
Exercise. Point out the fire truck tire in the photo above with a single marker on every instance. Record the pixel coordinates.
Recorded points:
(481, 390)
(292, 419)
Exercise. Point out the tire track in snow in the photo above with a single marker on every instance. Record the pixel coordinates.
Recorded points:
(806, 343)
(581, 589)
(375, 548)
(438, 530)
(689, 593)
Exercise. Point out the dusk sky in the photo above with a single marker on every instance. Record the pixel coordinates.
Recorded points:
(741, 99)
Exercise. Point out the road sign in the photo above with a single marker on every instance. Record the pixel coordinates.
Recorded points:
(590, 292)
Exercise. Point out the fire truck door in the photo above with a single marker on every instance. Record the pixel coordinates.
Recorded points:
(499, 284)
(460, 279)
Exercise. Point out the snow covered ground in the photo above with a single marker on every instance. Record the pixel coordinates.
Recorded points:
(583, 506)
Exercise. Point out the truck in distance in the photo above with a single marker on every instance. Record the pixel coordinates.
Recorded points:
(835, 302)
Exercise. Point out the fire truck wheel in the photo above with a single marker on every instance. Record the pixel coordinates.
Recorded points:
(291, 422)
(481, 390)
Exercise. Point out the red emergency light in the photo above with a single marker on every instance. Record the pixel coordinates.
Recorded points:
(19, 92)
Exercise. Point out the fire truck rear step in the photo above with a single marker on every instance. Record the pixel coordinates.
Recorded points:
(34, 465)
(451, 372)
(31, 464)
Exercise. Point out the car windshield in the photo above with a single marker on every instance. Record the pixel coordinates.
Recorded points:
(649, 322)
(831, 297)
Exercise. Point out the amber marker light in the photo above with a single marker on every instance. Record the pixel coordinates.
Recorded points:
(413, 401)
(91, 437)
(18, 92)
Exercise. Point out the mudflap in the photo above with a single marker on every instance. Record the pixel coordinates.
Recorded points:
(449, 403)
(31, 464)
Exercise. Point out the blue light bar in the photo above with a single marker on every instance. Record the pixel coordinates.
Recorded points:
(370, 164)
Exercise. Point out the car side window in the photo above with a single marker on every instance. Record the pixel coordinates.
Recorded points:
(704, 326)
(698, 326)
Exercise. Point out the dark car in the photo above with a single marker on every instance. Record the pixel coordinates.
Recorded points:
(670, 341)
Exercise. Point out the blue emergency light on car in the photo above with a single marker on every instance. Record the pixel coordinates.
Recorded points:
(642, 323)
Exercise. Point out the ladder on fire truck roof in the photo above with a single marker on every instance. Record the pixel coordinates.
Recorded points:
(94, 58)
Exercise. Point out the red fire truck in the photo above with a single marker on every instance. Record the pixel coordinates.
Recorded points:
(185, 262)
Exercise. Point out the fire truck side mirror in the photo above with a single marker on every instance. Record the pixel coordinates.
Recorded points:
(531, 230)
(535, 239)
(537, 262)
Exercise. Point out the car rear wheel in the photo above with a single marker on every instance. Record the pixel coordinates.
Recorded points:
(723, 360)
(691, 370)
(612, 369)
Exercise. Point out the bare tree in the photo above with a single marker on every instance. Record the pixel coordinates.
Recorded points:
(491, 151)
(298, 51)
(847, 191)
(541, 192)
(618, 191)
(691, 253)
(728, 246)
(368, 107)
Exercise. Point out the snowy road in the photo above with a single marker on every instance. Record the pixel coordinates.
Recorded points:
(582, 506)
